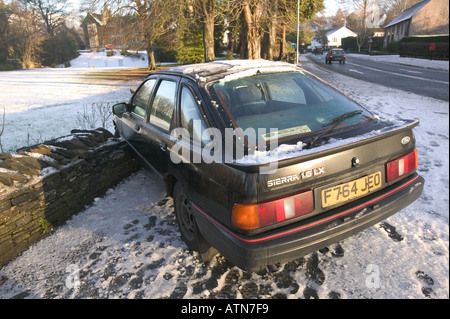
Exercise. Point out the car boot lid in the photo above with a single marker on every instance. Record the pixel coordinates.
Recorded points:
(286, 154)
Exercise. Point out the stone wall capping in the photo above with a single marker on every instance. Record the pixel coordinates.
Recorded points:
(43, 185)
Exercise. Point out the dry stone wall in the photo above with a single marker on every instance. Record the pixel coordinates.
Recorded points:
(42, 186)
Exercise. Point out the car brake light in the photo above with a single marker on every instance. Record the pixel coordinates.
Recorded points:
(331, 56)
(402, 165)
(345, 56)
(253, 216)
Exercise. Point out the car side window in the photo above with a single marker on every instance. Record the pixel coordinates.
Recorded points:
(163, 105)
(141, 98)
(191, 118)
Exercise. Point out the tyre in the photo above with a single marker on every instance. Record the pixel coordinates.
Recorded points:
(187, 225)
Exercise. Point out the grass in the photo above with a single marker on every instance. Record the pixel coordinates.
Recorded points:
(121, 74)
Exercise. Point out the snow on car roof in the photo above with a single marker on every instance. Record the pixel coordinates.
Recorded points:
(231, 69)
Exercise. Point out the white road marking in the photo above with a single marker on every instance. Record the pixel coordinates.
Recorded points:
(399, 74)
(410, 71)
(356, 71)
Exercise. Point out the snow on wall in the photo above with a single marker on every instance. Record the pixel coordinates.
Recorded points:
(44, 185)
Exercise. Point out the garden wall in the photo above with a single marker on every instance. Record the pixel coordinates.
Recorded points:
(42, 186)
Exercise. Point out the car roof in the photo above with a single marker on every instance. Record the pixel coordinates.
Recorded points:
(211, 71)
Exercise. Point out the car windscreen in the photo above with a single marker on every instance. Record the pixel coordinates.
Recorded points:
(284, 105)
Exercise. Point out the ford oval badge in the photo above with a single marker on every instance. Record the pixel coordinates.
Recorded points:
(406, 140)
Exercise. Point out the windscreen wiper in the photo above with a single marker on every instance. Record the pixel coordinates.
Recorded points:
(340, 118)
(337, 120)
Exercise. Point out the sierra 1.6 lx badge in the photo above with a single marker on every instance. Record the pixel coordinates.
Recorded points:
(296, 177)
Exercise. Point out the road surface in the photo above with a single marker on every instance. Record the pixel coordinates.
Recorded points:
(422, 81)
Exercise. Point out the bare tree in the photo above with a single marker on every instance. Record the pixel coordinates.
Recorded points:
(398, 6)
(208, 11)
(4, 31)
(265, 16)
(362, 7)
(395, 7)
(286, 17)
(52, 12)
(25, 38)
(366, 12)
(152, 19)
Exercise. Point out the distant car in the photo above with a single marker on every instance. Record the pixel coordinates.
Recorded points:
(110, 47)
(317, 51)
(266, 162)
(335, 55)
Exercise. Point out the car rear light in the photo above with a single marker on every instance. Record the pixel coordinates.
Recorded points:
(331, 56)
(345, 56)
(402, 165)
(254, 216)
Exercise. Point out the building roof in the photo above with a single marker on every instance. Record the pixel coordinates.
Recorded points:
(330, 32)
(408, 13)
(97, 18)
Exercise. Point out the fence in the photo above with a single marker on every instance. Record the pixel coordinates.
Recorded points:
(425, 50)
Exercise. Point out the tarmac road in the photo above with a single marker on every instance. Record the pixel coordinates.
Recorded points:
(422, 81)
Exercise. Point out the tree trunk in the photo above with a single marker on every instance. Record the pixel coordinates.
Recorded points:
(209, 39)
(282, 43)
(272, 39)
(251, 21)
(271, 32)
(151, 57)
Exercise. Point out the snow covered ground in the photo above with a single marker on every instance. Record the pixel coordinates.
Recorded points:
(126, 244)
(100, 60)
(45, 103)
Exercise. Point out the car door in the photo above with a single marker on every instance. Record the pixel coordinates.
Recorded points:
(135, 119)
(159, 122)
(201, 176)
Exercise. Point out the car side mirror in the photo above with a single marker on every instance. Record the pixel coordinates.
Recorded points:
(119, 108)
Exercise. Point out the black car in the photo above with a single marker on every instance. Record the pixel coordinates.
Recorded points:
(335, 55)
(266, 162)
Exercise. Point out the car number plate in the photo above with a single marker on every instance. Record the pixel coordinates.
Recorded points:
(351, 190)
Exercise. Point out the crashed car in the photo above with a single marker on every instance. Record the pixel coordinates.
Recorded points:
(266, 162)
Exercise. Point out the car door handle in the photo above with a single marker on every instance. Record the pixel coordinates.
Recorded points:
(163, 146)
(137, 127)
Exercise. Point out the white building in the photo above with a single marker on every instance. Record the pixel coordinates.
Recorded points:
(334, 37)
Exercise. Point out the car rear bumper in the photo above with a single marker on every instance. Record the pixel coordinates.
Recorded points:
(297, 240)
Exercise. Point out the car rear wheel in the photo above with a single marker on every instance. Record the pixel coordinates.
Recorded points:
(190, 233)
